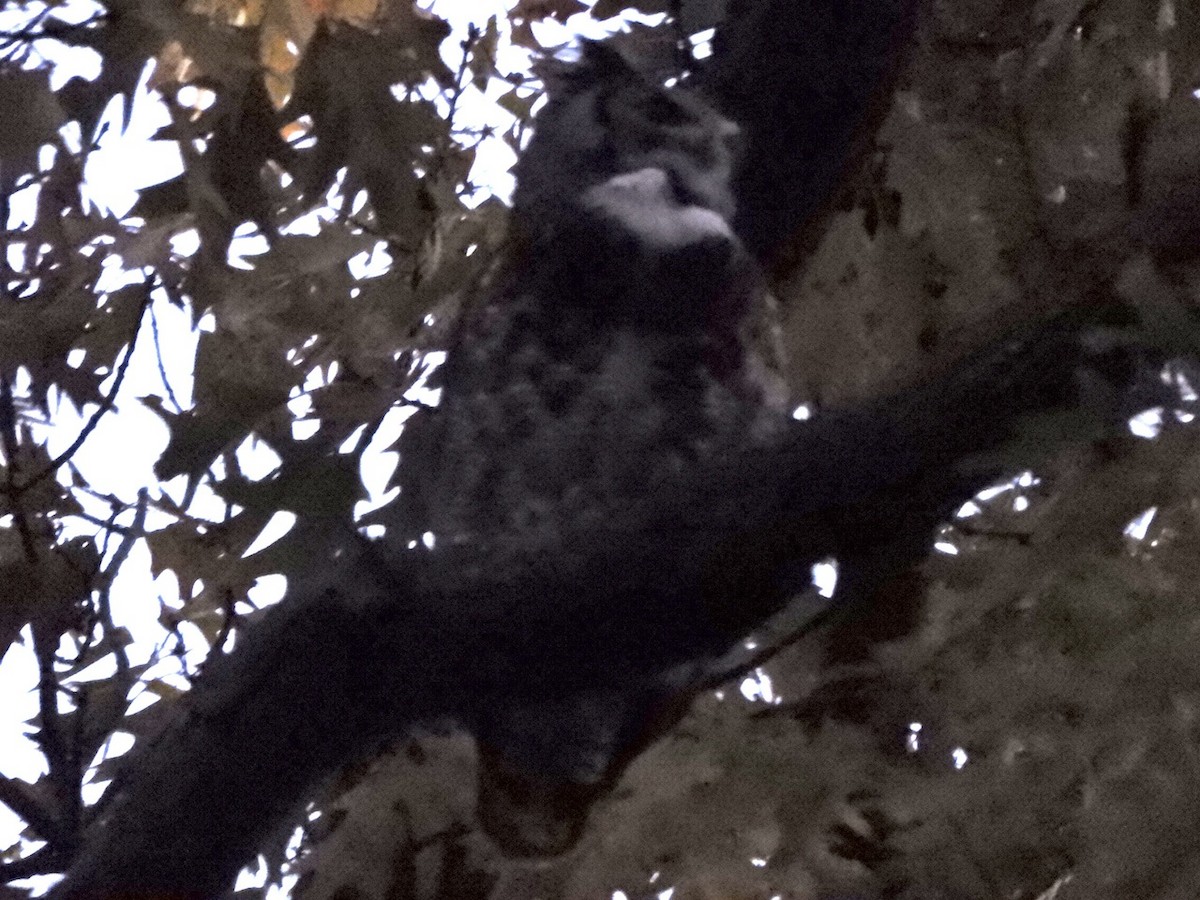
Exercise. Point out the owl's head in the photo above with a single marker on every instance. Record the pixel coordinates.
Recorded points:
(605, 118)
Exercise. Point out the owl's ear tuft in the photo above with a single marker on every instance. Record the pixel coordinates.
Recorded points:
(604, 58)
(598, 62)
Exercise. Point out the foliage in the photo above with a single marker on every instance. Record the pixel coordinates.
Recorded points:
(1034, 157)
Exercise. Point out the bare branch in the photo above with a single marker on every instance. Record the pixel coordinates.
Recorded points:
(158, 356)
(21, 799)
(105, 405)
(9, 444)
(41, 862)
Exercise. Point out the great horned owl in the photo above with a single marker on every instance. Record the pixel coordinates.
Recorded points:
(607, 120)
(614, 351)
(611, 358)
(607, 464)
(612, 502)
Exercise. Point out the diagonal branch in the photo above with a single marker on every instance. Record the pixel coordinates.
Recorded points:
(106, 404)
(21, 799)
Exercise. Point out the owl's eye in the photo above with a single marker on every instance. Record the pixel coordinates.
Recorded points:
(662, 110)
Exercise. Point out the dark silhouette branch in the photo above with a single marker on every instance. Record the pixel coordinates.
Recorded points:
(42, 861)
(162, 369)
(43, 27)
(105, 406)
(10, 445)
(131, 536)
(21, 799)
(618, 498)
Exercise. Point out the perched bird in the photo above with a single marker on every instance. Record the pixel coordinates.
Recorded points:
(613, 494)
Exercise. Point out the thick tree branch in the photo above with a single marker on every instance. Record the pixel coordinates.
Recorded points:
(811, 80)
(374, 638)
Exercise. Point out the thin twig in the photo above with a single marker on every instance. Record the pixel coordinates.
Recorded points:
(106, 404)
(158, 355)
(123, 550)
(108, 525)
(26, 35)
(64, 767)
(468, 44)
(55, 29)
